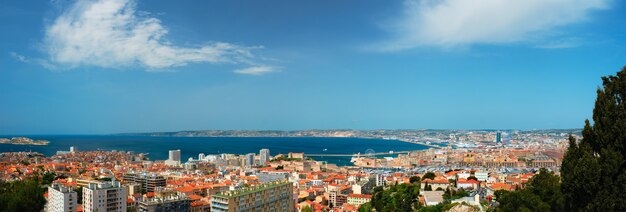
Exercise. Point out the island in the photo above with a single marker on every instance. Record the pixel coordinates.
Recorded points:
(23, 141)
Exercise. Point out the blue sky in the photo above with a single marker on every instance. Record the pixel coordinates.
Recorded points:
(91, 67)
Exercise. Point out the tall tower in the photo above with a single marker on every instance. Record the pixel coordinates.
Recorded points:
(175, 155)
(264, 156)
(250, 159)
(498, 137)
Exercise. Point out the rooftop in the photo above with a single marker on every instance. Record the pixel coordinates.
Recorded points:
(252, 189)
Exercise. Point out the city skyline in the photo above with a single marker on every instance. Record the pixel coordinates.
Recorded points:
(282, 65)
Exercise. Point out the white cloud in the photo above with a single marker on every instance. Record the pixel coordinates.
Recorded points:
(19, 57)
(453, 23)
(114, 34)
(256, 70)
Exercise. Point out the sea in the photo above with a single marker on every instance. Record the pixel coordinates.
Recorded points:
(157, 147)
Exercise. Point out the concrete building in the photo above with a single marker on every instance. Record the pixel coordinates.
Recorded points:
(358, 199)
(338, 194)
(432, 197)
(362, 187)
(61, 198)
(165, 203)
(378, 179)
(174, 158)
(250, 159)
(276, 196)
(201, 156)
(481, 176)
(296, 155)
(147, 180)
(266, 177)
(105, 196)
(264, 156)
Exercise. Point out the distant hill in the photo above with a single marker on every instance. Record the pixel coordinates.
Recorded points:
(342, 133)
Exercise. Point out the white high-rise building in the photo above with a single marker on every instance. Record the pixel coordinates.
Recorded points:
(201, 156)
(61, 198)
(264, 156)
(174, 158)
(104, 196)
(175, 155)
(250, 159)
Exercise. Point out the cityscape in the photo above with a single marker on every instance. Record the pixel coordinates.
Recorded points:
(312, 106)
(478, 161)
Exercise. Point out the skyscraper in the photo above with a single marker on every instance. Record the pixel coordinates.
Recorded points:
(174, 158)
(264, 156)
(250, 159)
(498, 137)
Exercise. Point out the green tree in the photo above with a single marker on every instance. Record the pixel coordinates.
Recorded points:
(24, 195)
(542, 193)
(594, 169)
(79, 194)
(428, 187)
(48, 177)
(306, 209)
(401, 197)
(522, 200)
(414, 179)
(429, 175)
(365, 207)
(547, 186)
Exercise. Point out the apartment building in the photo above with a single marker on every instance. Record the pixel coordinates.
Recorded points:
(61, 198)
(105, 196)
(148, 181)
(275, 196)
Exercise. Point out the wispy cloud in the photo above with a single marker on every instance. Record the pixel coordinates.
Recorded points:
(453, 23)
(257, 70)
(19, 57)
(114, 34)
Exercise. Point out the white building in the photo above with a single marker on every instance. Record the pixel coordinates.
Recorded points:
(174, 158)
(61, 198)
(469, 200)
(250, 159)
(264, 156)
(104, 196)
(463, 175)
(482, 176)
(432, 197)
(201, 156)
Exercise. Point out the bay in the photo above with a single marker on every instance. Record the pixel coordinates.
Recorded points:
(157, 147)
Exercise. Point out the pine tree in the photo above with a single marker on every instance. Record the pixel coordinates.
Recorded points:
(594, 170)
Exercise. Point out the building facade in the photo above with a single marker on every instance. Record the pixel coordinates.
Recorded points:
(250, 159)
(147, 180)
(61, 198)
(174, 203)
(276, 196)
(174, 158)
(105, 196)
(358, 199)
(264, 156)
